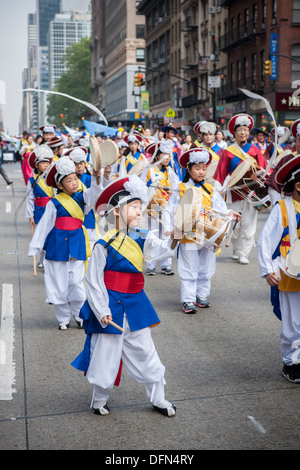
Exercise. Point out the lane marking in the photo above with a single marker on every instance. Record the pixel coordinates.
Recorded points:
(257, 424)
(7, 365)
(8, 207)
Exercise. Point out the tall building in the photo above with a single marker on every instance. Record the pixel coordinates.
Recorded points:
(29, 114)
(45, 11)
(162, 55)
(125, 51)
(98, 51)
(256, 30)
(118, 48)
(64, 30)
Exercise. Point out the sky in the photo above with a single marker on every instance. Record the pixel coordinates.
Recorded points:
(13, 55)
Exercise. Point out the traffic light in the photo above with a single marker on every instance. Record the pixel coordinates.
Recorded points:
(139, 79)
(268, 70)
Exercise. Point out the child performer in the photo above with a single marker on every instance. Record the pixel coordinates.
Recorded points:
(62, 235)
(196, 264)
(79, 155)
(114, 286)
(38, 193)
(281, 229)
(133, 154)
(163, 177)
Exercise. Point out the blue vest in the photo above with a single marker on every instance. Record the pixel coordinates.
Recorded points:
(90, 219)
(60, 245)
(137, 307)
(38, 211)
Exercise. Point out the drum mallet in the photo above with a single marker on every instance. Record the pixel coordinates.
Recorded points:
(233, 228)
(34, 258)
(116, 326)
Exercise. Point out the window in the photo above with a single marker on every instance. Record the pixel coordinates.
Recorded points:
(140, 31)
(295, 72)
(296, 11)
(140, 55)
(253, 70)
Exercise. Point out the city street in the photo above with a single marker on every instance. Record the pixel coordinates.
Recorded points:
(223, 364)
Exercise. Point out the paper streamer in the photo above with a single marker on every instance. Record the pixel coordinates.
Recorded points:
(89, 105)
(255, 96)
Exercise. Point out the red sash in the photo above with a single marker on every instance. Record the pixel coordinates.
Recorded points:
(68, 223)
(126, 283)
(41, 201)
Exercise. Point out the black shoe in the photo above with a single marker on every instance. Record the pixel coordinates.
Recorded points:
(291, 373)
(168, 271)
(150, 272)
(189, 307)
(202, 302)
(170, 411)
(102, 411)
(9, 183)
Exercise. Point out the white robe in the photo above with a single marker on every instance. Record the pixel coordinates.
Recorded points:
(268, 241)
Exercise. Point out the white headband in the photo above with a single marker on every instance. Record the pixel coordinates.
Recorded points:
(298, 129)
(166, 146)
(64, 167)
(77, 155)
(48, 129)
(137, 189)
(208, 127)
(242, 121)
(199, 157)
(43, 153)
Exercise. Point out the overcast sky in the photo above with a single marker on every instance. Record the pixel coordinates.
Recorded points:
(13, 54)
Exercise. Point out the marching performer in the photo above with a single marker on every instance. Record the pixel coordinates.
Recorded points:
(261, 138)
(61, 234)
(244, 235)
(289, 152)
(38, 193)
(114, 286)
(133, 154)
(57, 146)
(164, 179)
(79, 155)
(48, 132)
(279, 233)
(196, 264)
(171, 133)
(206, 131)
(283, 134)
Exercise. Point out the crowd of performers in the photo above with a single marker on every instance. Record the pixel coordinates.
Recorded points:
(92, 231)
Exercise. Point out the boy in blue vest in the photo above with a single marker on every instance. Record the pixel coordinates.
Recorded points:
(114, 286)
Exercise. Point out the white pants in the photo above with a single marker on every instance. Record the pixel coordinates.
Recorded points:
(139, 358)
(64, 283)
(243, 237)
(155, 225)
(195, 268)
(290, 326)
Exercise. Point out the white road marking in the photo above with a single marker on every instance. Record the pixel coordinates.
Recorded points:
(7, 366)
(257, 425)
(8, 207)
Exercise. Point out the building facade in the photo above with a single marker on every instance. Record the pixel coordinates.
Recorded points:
(256, 30)
(64, 30)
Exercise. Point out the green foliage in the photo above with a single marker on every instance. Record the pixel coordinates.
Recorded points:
(75, 82)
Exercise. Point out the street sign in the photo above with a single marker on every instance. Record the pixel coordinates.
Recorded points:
(214, 81)
(274, 50)
(170, 113)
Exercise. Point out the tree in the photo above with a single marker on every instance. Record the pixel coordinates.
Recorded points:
(76, 81)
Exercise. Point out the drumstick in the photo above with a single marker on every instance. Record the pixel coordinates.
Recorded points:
(34, 258)
(235, 224)
(116, 326)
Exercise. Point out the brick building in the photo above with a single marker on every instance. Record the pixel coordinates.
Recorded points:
(255, 28)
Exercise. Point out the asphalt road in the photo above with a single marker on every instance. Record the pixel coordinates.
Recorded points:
(223, 364)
